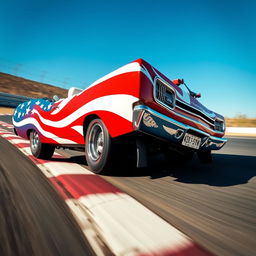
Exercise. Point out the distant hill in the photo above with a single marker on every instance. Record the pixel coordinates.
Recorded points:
(21, 86)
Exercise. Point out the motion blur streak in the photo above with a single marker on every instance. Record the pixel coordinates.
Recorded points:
(33, 218)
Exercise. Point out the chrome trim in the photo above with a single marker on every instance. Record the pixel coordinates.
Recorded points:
(95, 142)
(184, 126)
(217, 138)
(170, 87)
(190, 119)
(35, 140)
(193, 120)
(137, 122)
(212, 118)
(179, 136)
(196, 115)
(205, 141)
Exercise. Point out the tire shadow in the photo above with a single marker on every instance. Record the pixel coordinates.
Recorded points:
(73, 159)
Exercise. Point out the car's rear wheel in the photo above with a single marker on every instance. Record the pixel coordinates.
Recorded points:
(39, 149)
(99, 147)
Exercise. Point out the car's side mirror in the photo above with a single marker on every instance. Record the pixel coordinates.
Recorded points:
(181, 81)
(55, 98)
(195, 95)
(178, 81)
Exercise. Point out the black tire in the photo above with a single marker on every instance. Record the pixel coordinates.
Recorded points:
(39, 149)
(99, 147)
(204, 156)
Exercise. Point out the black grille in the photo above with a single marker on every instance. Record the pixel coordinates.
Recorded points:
(219, 125)
(194, 111)
(165, 94)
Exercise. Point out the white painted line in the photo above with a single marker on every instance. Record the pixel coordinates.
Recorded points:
(45, 171)
(3, 129)
(17, 141)
(7, 135)
(26, 151)
(127, 225)
(5, 132)
(241, 130)
(7, 126)
(87, 226)
(60, 168)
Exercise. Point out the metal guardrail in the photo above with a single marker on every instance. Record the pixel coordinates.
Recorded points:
(10, 100)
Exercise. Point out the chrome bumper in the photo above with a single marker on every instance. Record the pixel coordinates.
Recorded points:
(156, 124)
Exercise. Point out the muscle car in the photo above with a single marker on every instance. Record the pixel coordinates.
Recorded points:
(135, 109)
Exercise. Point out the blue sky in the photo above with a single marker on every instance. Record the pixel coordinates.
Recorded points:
(209, 43)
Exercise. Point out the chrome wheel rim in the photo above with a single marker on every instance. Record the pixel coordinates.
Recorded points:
(34, 141)
(95, 142)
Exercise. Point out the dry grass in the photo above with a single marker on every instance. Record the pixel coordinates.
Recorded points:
(241, 122)
(4, 110)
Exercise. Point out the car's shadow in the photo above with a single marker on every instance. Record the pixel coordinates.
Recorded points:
(225, 170)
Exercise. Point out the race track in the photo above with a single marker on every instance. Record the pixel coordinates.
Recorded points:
(213, 204)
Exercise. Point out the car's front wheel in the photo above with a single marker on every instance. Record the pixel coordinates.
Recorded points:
(39, 149)
(99, 147)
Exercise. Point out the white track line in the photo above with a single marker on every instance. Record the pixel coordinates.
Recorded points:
(87, 226)
(60, 168)
(7, 135)
(129, 227)
(17, 141)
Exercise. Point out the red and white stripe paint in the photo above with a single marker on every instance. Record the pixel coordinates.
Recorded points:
(10, 126)
(108, 216)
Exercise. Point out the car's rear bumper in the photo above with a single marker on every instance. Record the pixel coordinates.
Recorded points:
(158, 125)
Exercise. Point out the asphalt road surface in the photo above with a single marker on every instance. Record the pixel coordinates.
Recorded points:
(213, 204)
(34, 220)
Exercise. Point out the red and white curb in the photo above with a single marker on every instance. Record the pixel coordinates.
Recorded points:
(10, 126)
(108, 217)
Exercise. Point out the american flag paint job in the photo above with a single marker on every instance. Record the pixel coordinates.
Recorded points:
(111, 98)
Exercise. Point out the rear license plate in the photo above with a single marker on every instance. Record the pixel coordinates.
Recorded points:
(191, 141)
